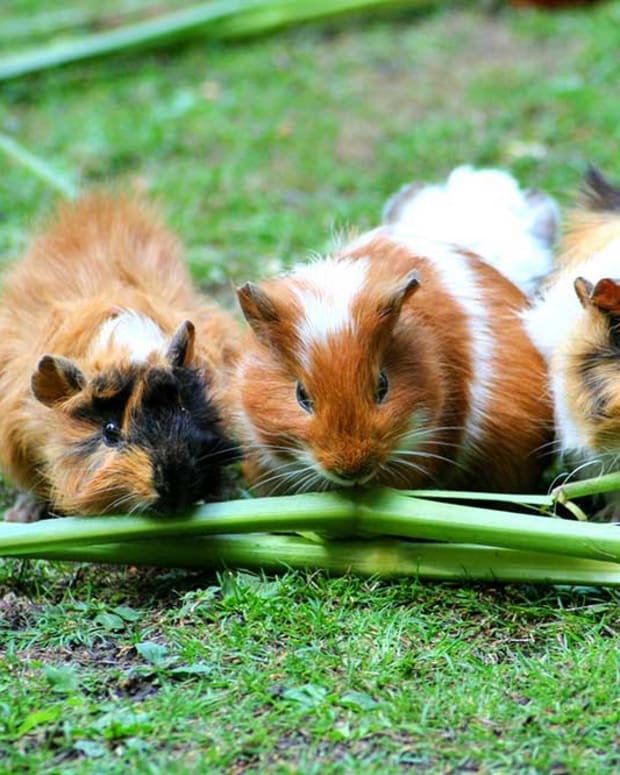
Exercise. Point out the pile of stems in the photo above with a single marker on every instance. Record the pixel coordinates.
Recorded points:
(380, 532)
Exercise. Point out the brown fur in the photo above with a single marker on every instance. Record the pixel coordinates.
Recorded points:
(100, 256)
(581, 309)
(424, 348)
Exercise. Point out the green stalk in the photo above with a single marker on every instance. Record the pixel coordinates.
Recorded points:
(36, 165)
(385, 512)
(132, 37)
(276, 14)
(580, 489)
(380, 557)
(496, 497)
(202, 19)
(313, 511)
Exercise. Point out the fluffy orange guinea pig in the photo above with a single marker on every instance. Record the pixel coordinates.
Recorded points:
(401, 359)
(112, 368)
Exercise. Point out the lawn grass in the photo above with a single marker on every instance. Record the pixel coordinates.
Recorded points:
(258, 153)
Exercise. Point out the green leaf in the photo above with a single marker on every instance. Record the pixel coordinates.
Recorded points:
(110, 622)
(90, 749)
(61, 679)
(153, 652)
(38, 718)
(200, 668)
(127, 613)
(358, 700)
(120, 723)
(308, 695)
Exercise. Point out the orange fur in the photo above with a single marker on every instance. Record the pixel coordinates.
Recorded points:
(424, 348)
(587, 233)
(577, 326)
(100, 257)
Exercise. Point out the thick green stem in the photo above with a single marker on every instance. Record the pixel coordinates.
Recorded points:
(386, 512)
(378, 557)
(328, 512)
(495, 497)
(580, 489)
(217, 19)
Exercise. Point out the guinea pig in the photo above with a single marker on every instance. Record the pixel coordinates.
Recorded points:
(112, 369)
(576, 325)
(399, 360)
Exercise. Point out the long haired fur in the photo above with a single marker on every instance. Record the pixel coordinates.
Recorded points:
(397, 362)
(113, 370)
(576, 324)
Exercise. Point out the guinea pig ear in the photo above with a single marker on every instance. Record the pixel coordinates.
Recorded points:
(180, 351)
(258, 309)
(391, 306)
(605, 295)
(56, 379)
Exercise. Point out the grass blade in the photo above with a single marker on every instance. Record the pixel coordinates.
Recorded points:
(37, 166)
(383, 557)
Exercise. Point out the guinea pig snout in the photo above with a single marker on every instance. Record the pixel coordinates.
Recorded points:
(178, 486)
(350, 472)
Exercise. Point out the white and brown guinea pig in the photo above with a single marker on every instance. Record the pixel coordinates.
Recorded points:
(112, 368)
(576, 324)
(401, 359)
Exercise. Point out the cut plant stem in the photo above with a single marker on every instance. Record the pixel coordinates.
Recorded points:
(581, 489)
(327, 512)
(389, 512)
(382, 557)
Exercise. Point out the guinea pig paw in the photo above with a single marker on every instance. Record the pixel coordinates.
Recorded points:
(27, 508)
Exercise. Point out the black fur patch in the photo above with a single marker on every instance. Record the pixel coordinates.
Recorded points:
(596, 383)
(600, 194)
(180, 428)
(174, 422)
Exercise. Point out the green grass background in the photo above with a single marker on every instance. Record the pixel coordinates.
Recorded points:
(258, 151)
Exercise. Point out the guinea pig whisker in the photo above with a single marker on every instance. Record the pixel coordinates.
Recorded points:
(305, 484)
(552, 446)
(282, 476)
(394, 471)
(566, 476)
(418, 453)
(407, 464)
(415, 433)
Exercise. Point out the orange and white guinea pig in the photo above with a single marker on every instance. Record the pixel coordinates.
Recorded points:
(401, 359)
(112, 368)
(576, 324)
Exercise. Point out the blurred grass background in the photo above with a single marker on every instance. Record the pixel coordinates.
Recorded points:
(257, 151)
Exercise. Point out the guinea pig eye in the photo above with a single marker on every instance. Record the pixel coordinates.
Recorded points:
(382, 388)
(111, 434)
(303, 399)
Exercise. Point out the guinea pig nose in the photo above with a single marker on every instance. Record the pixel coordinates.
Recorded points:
(358, 473)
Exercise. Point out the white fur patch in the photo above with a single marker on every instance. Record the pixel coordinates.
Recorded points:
(326, 290)
(552, 318)
(460, 280)
(132, 331)
(571, 437)
(552, 321)
(484, 211)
